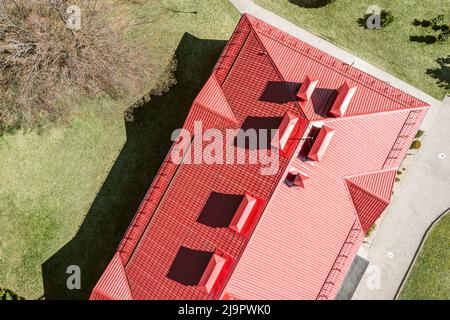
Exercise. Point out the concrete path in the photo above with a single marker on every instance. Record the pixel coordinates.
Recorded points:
(422, 196)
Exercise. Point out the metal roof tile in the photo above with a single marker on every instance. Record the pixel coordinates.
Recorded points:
(295, 249)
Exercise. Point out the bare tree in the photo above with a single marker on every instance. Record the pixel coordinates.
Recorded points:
(46, 64)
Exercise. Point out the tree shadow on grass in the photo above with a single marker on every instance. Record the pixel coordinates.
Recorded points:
(311, 3)
(442, 72)
(429, 39)
(362, 22)
(148, 141)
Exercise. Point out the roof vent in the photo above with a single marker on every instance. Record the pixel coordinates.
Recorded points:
(343, 99)
(212, 272)
(296, 178)
(321, 143)
(285, 131)
(307, 88)
(243, 213)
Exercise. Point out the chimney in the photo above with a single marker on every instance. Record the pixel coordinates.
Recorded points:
(296, 178)
(321, 143)
(307, 88)
(299, 180)
(343, 99)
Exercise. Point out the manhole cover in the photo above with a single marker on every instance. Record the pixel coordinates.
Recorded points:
(390, 255)
(441, 155)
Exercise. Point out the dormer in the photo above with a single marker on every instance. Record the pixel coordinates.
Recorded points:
(243, 213)
(345, 95)
(285, 131)
(307, 88)
(321, 143)
(213, 273)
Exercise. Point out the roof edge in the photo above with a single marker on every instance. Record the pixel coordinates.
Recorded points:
(421, 104)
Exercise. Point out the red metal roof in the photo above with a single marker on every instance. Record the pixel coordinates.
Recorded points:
(113, 284)
(301, 240)
(296, 59)
(212, 98)
(344, 97)
(371, 194)
(367, 206)
(378, 183)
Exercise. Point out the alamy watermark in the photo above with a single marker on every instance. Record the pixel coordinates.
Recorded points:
(73, 282)
(74, 17)
(228, 146)
(373, 281)
(374, 19)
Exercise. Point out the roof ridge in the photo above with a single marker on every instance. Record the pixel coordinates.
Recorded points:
(368, 173)
(383, 112)
(423, 104)
(275, 67)
(125, 275)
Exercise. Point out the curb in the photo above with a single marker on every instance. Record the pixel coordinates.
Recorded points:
(419, 249)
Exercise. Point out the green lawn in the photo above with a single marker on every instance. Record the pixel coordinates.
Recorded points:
(94, 170)
(430, 276)
(389, 48)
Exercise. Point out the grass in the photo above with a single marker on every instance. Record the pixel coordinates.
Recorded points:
(425, 66)
(430, 276)
(69, 191)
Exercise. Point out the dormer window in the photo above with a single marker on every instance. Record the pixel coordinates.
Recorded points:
(321, 143)
(307, 88)
(285, 131)
(345, 95)
(243, 213)
(213, 272)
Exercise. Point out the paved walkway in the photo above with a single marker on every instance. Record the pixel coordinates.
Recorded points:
(422, 197)
(423, 194)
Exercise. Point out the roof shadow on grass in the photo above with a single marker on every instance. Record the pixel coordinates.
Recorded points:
(148, 141)
(429, 39)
